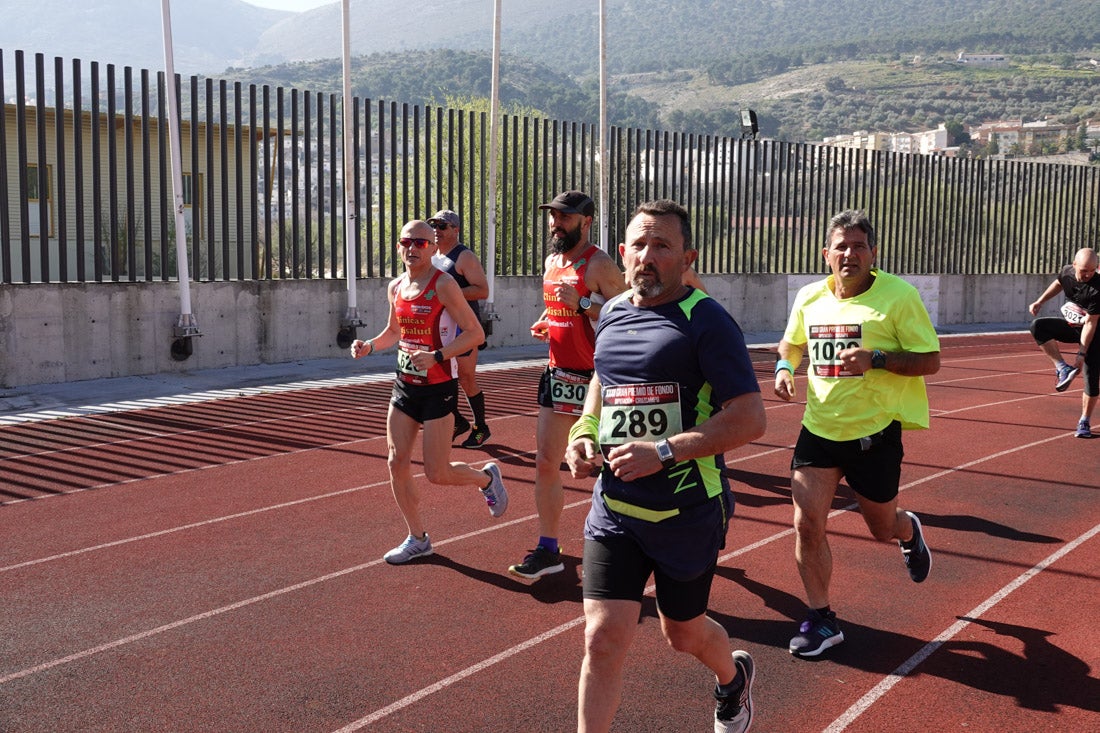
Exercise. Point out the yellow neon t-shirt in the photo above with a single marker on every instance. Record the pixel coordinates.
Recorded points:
(888, 316)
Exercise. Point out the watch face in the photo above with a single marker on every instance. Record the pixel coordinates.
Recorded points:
(584, 304)
(664, 450)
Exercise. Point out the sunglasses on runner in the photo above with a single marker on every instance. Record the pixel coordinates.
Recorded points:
(440, 225)
(415, 242)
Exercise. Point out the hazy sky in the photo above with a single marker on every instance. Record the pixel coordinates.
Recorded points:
(290, 4)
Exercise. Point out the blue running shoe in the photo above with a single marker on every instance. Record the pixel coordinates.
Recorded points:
(1066, 373)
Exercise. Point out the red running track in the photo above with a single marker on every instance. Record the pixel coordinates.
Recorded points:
(216, 566)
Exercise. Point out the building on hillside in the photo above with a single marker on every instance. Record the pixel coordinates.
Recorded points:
(860, 140)
(1019, 137)
(982, 59)
(926, 142)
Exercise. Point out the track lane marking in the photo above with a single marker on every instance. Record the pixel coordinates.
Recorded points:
(878, 691)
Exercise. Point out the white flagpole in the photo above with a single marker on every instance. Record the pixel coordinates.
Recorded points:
(494, 112)
(187, 326)
(351, 218)
(604, 160)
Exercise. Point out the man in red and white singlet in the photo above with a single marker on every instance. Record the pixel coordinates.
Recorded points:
(430, 322)
(578, 278)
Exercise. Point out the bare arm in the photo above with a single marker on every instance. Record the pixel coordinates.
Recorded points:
(469, 266)
(388, 336)
(1052, 290)
(905, 363)
(791, 355)
(583, 455)
(691, 277)
(741, 420)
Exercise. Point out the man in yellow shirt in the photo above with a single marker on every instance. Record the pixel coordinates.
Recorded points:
(870, 342)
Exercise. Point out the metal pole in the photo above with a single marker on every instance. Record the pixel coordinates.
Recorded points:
(351, 317)
(494, 112)
(186, 326)
(604, 160)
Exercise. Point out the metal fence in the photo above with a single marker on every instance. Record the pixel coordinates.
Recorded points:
(86, 190)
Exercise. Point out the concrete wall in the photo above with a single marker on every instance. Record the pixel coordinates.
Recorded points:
(70, 332)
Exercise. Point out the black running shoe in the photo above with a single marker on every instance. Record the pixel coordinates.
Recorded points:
(539, 562)
(816, 634)
(461, 426)
(918, 558)
(477, 437)
(733, 711)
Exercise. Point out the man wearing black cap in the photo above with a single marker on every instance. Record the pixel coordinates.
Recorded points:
(578, 278)
(459, 262)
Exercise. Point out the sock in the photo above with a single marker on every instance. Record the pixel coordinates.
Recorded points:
(477, 406)
(732, 687)
(824, 612)
(550, 543)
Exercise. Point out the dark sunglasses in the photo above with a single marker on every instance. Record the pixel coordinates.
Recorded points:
(440, 225)
(415, 242)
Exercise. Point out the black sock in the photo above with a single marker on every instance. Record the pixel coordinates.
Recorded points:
(733, 686)
(824, 612)
(477, 406)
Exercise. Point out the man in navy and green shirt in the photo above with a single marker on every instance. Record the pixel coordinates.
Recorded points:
(673, 390)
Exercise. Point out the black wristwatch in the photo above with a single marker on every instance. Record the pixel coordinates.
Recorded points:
(438, 356)
(664, 452)
(878, 359)
(583, 304)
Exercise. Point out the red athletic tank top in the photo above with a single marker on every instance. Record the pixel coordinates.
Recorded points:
(425, 326)
(572, 338)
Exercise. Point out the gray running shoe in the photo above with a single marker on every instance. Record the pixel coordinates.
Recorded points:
(410, 549)
(1084, 430)
(496, 496)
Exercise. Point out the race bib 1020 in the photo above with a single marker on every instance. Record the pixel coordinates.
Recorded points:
(826, 342)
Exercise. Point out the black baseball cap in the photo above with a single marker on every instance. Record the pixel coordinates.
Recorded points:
(572, 202)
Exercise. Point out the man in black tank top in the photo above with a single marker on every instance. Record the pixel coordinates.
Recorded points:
(455, 258)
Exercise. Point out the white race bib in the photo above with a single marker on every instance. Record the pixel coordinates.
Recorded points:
(567, 391)
(826, 342)
(405, 350)
(646, 412)
(1074, 314)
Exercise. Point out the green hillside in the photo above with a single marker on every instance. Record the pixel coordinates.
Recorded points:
(810, 68)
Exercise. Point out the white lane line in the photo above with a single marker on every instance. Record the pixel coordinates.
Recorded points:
(184, 527)
(878, 691)
(523, 646)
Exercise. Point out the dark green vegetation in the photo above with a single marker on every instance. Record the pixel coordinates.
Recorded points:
(809, 68)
